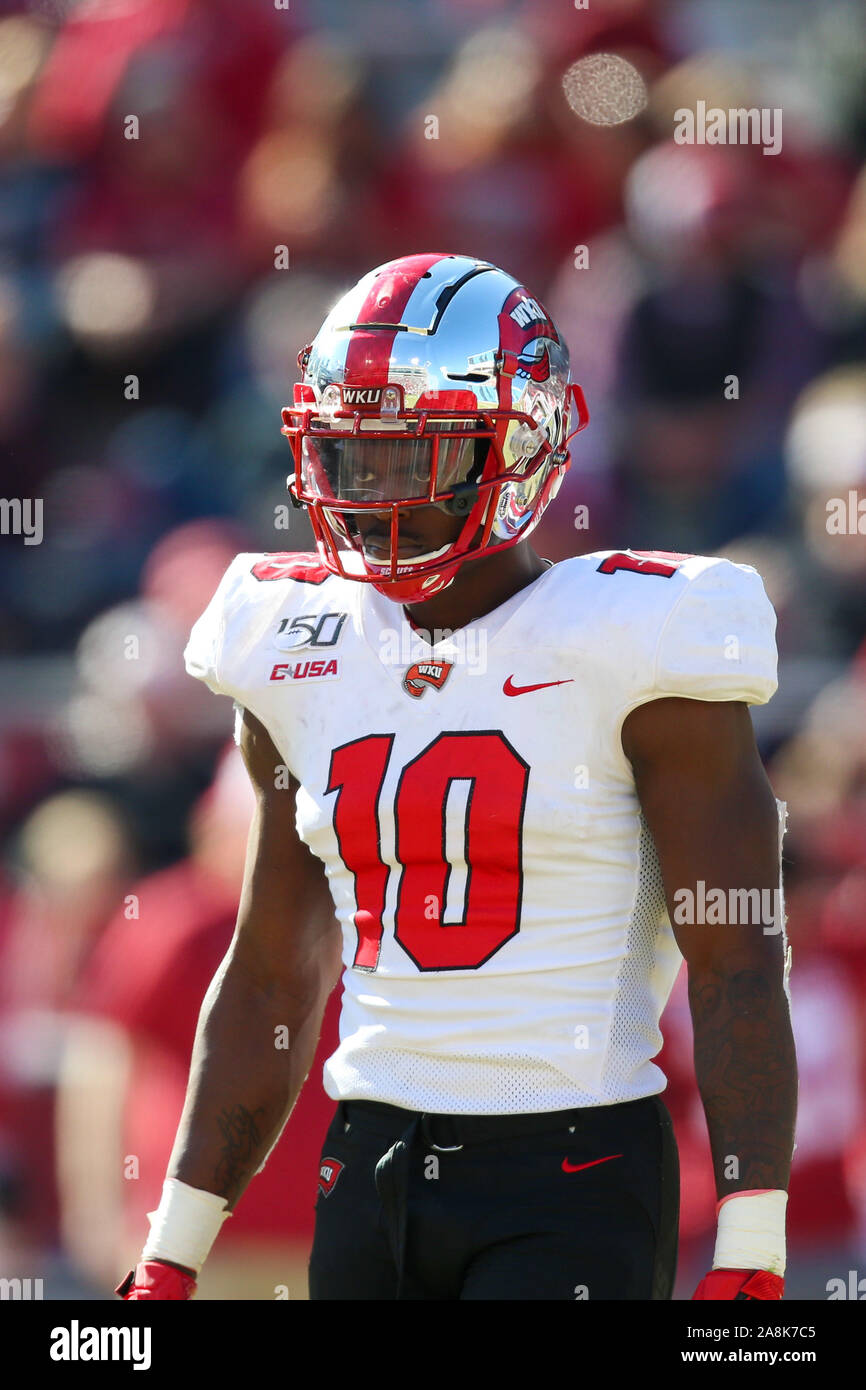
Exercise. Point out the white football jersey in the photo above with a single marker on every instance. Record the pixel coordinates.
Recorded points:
(505, 938)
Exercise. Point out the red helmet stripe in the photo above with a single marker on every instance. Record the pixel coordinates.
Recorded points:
(369, 352)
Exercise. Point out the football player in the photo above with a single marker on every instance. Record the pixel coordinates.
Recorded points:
(528, 791)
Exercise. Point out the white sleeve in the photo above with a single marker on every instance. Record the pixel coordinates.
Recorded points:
(203, 652)
(718, 641)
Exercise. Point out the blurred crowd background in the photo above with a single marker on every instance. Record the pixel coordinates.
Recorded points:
(147, 342)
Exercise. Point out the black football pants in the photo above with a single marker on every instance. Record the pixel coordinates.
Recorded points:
(574, 1204)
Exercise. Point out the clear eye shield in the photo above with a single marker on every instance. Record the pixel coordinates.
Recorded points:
(363, 471)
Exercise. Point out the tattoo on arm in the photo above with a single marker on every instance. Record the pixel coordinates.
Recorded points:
(746, 1071)
(243, 1140)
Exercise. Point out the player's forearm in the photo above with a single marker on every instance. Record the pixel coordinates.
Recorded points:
(253, 1051)
(746, 1070)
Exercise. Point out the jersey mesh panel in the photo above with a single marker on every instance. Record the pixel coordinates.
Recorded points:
(526, 1084)
(627, 1047)
(512, 1085)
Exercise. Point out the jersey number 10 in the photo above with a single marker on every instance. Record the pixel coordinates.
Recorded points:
(493, 832)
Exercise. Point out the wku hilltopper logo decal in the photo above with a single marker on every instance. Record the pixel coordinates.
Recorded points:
(424, 674)
(329, 1170)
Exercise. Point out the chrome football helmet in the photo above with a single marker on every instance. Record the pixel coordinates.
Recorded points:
(437, 381)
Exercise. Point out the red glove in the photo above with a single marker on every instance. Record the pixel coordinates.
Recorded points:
(739, 1284)
(153, 1279)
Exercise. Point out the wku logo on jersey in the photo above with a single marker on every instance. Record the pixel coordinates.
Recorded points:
(329, 1171)
(306, 670)
(424, 673)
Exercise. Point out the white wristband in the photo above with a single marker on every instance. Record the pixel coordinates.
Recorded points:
(185, 1224)
(751, 1231)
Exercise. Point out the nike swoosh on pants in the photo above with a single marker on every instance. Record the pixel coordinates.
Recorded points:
(576, 1167)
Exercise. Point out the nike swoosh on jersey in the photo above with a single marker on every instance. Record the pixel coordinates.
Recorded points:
(510, 689)
(576, 1167)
